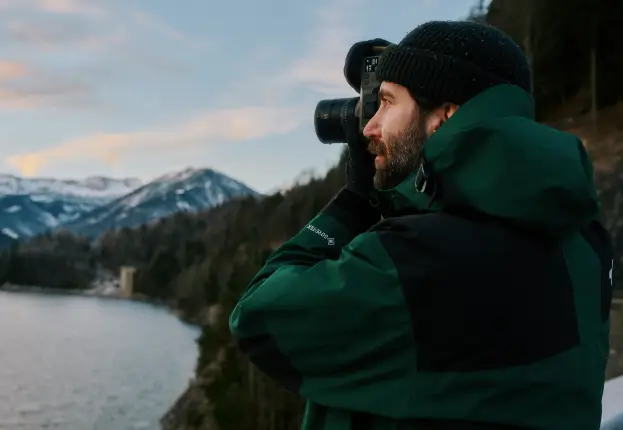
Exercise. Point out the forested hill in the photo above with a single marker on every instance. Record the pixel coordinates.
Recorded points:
(191, 259)
(573, 47)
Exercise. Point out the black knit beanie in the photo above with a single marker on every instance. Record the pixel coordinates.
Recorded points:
(453, 61)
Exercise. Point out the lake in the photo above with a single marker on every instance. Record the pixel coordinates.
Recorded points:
(71, 362)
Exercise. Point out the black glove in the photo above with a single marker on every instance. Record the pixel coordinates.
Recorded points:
(352, 206)
(357, 210)
(360, 164)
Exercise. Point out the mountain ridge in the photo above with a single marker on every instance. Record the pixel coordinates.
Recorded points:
(99, 187)
(188, 190)
(30, 206)
(90, 206)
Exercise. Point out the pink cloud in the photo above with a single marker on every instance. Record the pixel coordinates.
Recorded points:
(207, 127)
(74, 7)
(71, 7)
(12, 69)
(54, 34)
(25, 87)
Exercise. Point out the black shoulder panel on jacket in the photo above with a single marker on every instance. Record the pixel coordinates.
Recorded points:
(481, 296)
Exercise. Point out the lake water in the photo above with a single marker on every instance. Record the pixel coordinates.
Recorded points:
(84, 363)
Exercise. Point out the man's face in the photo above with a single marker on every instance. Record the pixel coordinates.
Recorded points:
(396, 134)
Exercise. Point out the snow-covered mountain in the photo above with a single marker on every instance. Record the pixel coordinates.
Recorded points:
(6, 238)
(32, 206)
(91, 206)
(93, 188)
(189, 190)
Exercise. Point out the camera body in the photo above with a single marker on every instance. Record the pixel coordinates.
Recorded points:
(334, 116)
(369, 93)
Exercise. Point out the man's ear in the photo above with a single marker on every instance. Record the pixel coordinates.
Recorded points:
(439, 116)
(449, 110)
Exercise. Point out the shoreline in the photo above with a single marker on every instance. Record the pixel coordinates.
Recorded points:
(13, 288)
(31, 289)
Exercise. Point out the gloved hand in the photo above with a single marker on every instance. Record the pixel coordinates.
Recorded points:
(355, 199)
(352, 206)
(360, 164)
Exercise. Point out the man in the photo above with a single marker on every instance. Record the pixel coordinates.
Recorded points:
(481, 300)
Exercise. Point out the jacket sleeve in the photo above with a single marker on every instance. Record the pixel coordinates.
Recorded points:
(326, 316)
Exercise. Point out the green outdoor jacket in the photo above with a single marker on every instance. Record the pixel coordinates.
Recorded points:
(481, 302)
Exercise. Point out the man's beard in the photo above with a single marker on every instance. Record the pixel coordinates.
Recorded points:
(405, 150)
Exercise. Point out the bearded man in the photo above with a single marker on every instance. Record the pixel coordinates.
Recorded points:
(462, 278)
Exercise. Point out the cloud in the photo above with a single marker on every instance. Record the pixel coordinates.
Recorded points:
(318, 68)
(45, 93)
(50, 34)
(117, 42)
(321, 68)
(46, 32)
(22, 87)
(154, 26)
(207, 127)
(12, 69)
(150, 21)
(89, 8)
(112, 45)
(82, 7)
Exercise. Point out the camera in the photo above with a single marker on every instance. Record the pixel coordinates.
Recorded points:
(333, 116)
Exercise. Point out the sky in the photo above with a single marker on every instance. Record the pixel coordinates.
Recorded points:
(141, 88)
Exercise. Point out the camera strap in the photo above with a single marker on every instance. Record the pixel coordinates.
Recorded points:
(425, 182)
(422, 178)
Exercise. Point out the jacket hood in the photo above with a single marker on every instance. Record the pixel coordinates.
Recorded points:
(492, 158)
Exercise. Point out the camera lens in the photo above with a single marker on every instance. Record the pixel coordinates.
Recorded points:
(331, 118)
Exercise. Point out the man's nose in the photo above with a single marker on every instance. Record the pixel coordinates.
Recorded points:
(372, 128)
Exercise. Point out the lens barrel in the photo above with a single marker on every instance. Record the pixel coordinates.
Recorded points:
(331, 118)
